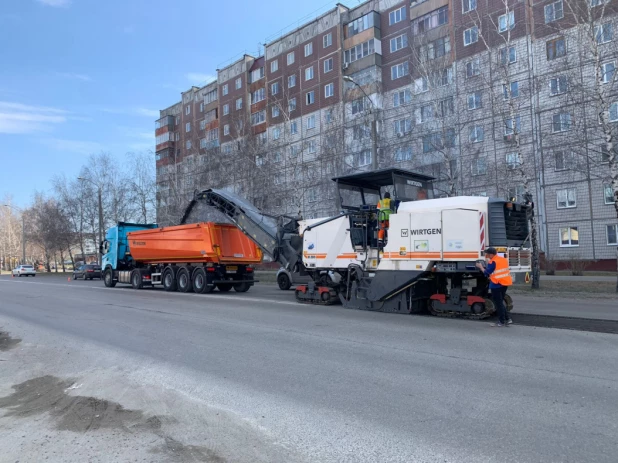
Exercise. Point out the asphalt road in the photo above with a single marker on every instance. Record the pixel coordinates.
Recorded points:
(257, 377)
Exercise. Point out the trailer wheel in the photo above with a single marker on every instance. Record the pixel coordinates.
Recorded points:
(242, 287)
(136, 279)
(108, 278)
(183, 279)
(284, 281)
(224, 287)
(200, 282)
(169, 279)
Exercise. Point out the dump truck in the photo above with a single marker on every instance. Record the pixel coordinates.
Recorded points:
(425, 260)
(195, 257)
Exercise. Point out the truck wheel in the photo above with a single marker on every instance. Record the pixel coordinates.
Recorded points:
(200, 282)
(242, 287)
(136, 279)
(224, 287)
(169, 280)
(183, 278)
(283, 280)
(108, 278)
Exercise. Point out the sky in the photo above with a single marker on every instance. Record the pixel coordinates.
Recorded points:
(84, 76)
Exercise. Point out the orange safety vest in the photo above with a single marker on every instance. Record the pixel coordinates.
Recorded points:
(384, 205)
(501, 275)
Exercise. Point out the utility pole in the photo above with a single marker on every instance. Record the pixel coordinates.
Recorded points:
(100, 198)
(23, 232)
(374, 124)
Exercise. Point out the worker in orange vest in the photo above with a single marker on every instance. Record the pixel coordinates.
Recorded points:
(384, 214)
(500, 279)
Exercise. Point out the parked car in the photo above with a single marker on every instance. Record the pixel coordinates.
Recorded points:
(287, 279)
(87, 272)
(24, 270)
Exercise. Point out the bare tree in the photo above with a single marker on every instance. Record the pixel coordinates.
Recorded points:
(48, 227)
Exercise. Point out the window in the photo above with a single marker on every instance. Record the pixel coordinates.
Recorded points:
(226, 109)
(471, 36)
(311, 122)
(401, 126)
(328, 65)
(512, 125)
(359, 51)
(212, 135)
(613, 112)
(311, 146)
(188, 127)
(227, 149)
(473, 68)
(329, 90)
(403, 153)
(430, 21)
(274, 88)
(292, 81)
(508, 55)
(187, 110)
(188, 144)
(401, 98)
(564, 160)
(358, 105)
(274, 66)
(239, 81)
(608, 194)
(177, 136)
(594, 3)
(310, 97)
(510, 91)
(421, 85)
(477, 134)
(359, 25)
(396, 16)
(292, 104)
(202, 125)
(258, 117)
(329, 116)
(566, 198)
(506, 21)
(468, 5)
(399, 42)
(513, 160)
(239, 103)
(308, 49)
(226, 129)
(555, 48)
(327, 40)
(441, 78)
(446, 107)
(399, 70)
(424, 113)
(210, 96)
(202, 107)
(561, 122)
(290, 58)
(203, 143)
(294, 150)
(553, 12)
(611, 231)
(364, 158)
(604, 33)
(569, 236)
(475, 100)
(439, 140)
(515, 193)
(312, 195)
(259, 161)
(177, 120)
(258, 95)
(224, 90)
(435, 49)
(608, 70)
(558, 85)
(479, 166)
(276, 133)
(277, 157)
(210, 116)
(293, 128)
(605, 154)
(309, 73)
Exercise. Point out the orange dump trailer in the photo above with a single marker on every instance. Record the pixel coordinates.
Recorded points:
(195, 257)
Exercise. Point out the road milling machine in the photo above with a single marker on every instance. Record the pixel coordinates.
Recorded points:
(423, 260)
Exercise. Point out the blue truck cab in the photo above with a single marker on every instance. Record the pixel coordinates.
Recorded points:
(115, 249)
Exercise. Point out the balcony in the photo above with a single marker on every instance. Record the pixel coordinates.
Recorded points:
(167, 121)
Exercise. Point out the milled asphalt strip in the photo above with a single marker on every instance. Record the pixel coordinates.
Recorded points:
(215, 296)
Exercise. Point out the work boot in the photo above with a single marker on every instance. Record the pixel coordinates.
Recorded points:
(498, 325)
(509, 321)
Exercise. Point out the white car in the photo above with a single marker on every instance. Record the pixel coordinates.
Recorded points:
(24, 270)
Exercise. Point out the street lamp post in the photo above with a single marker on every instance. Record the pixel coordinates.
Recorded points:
(23, 232)
(374, 129)
(100, 194)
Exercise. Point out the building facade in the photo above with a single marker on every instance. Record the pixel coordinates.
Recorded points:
(491, 97)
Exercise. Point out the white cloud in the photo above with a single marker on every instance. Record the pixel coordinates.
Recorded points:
(197, 78)
(72, 146)
(72, 75)
(21, 118)
(55, 3)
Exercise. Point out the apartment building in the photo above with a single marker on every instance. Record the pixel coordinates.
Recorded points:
(490, 97)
